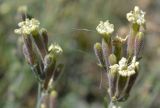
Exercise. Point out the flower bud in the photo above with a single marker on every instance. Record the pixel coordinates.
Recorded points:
(99, 54)
(44, 35)
(28, 51)
(112, 77)
(139, 43)
(130, 43)
(39, 44)
(53, 99)
(112, 59)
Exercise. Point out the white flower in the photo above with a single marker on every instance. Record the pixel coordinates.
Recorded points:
(105, 27)
(120, 39)
(134, 64)
(123, 63)
(136, 16)
(55, 48)
(125, 70)
(27, 26)
(114, 68)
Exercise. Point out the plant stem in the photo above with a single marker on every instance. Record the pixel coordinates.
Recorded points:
(105, 102)
(112, 105)
(38, 96)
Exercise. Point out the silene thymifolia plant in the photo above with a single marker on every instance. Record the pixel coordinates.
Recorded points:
(119, 57)
(43, 60)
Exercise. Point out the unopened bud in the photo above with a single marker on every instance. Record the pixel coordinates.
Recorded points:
(99, 54)
(139, 43)
(112, 59)
(112, 77)
(44, 37)
(53, 99)
(39, 44)
(28, 51)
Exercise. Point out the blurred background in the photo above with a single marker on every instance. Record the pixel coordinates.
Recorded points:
(72, 23)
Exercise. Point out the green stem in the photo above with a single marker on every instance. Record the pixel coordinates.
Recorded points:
(113, 105)
(105, 102)
(38, 96)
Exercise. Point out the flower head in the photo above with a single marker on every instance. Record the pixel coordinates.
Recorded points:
(126, 70)
(134, 64)
(123, 68)
(136, 16)
(27, 26)
(119, 39)
(122, 64)
(105, 27)
(114, 68)
(55, 48)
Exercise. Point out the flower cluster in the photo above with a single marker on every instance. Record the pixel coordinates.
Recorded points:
(55, 48)
(41, 58)
(136, 16)
(123, 68)
(105, 27)
(27, 27)
(119, 57)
